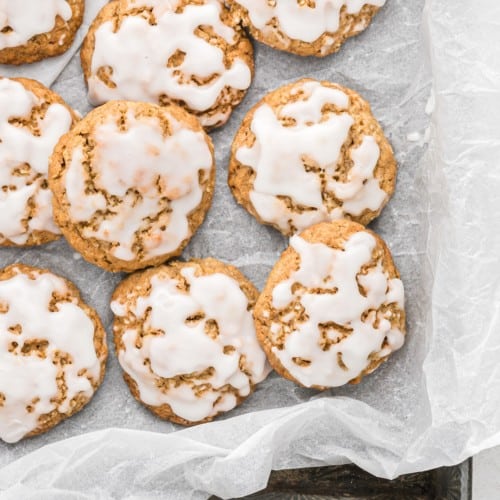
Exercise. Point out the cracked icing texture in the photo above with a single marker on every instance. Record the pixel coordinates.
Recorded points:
(338, 312)
(32, 120)
(334, 343)
(27, 18)
(141, 160)
(186, 339)
(33, 29)
(52, 351)
(300, 20)
(189, 53)
(311, 152)
(134, 178)
(305, 27)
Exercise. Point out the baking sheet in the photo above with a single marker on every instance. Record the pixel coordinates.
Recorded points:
(443, 226)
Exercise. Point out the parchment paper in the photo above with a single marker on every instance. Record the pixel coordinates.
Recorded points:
(435, 402)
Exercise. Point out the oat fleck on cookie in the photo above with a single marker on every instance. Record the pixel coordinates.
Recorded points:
(188, 352)
(32, 30)
(52, 354)
(311, 152)
(333, 308)
(32, 120)
(132, 183)
(305, 27)
(194, 54)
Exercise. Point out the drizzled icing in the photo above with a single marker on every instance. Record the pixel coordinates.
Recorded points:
(153, 179)
(24, 159)
(299, 21)
(28, 379)
(27, 18)
(335, 312)
(183, 347)
(281, 150)
(138, 55)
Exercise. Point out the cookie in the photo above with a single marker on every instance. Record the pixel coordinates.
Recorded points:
(311, 152)
(52, 351)
(333, 307)
(187, 52)
(305, 27)
(132, 182)
(185, 338)
(31, 30)
(32, 119)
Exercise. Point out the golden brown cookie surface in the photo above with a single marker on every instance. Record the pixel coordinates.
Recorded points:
(305, 27)
(52, 351)
(310, 152)
(333, 307)
(185, 338)
(32, 120)
(32, 30)
(190, 53)
(132, 182)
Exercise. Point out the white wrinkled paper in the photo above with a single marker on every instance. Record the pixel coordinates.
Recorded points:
(435, 402)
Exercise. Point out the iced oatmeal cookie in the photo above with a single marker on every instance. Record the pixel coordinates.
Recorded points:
(32, 120)
(185, 338)
(31, 30)
(188, 52)
(305, 27)
(333, 307)
(52, 351)
(132, 182)
(311, 152)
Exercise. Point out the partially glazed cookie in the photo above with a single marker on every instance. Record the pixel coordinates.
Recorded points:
(305, 27)
(132, 182)
(311, 152)
(52, 351)
(333, 307)
(185, 338)
(188, 52)
(31, 30)
(32, 120)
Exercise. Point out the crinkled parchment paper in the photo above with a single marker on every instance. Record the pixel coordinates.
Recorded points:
(435, 402)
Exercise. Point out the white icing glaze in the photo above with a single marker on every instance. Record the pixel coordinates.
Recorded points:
(28, 379)
(183, 349)
(322, 267)
(301, 22)
(162, 169)
(18, 147)
(28, 18)
(138, 54)
(278, 153)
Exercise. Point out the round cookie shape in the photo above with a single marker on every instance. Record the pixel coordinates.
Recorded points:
(52, 351)
(305, 27)
(187, 52)
(333, 307)
(185, 338)
(32, 120)
(132, 182)
(32, 30)
(311, 152)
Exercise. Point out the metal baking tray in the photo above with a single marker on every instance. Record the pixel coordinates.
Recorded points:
(350, 482)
